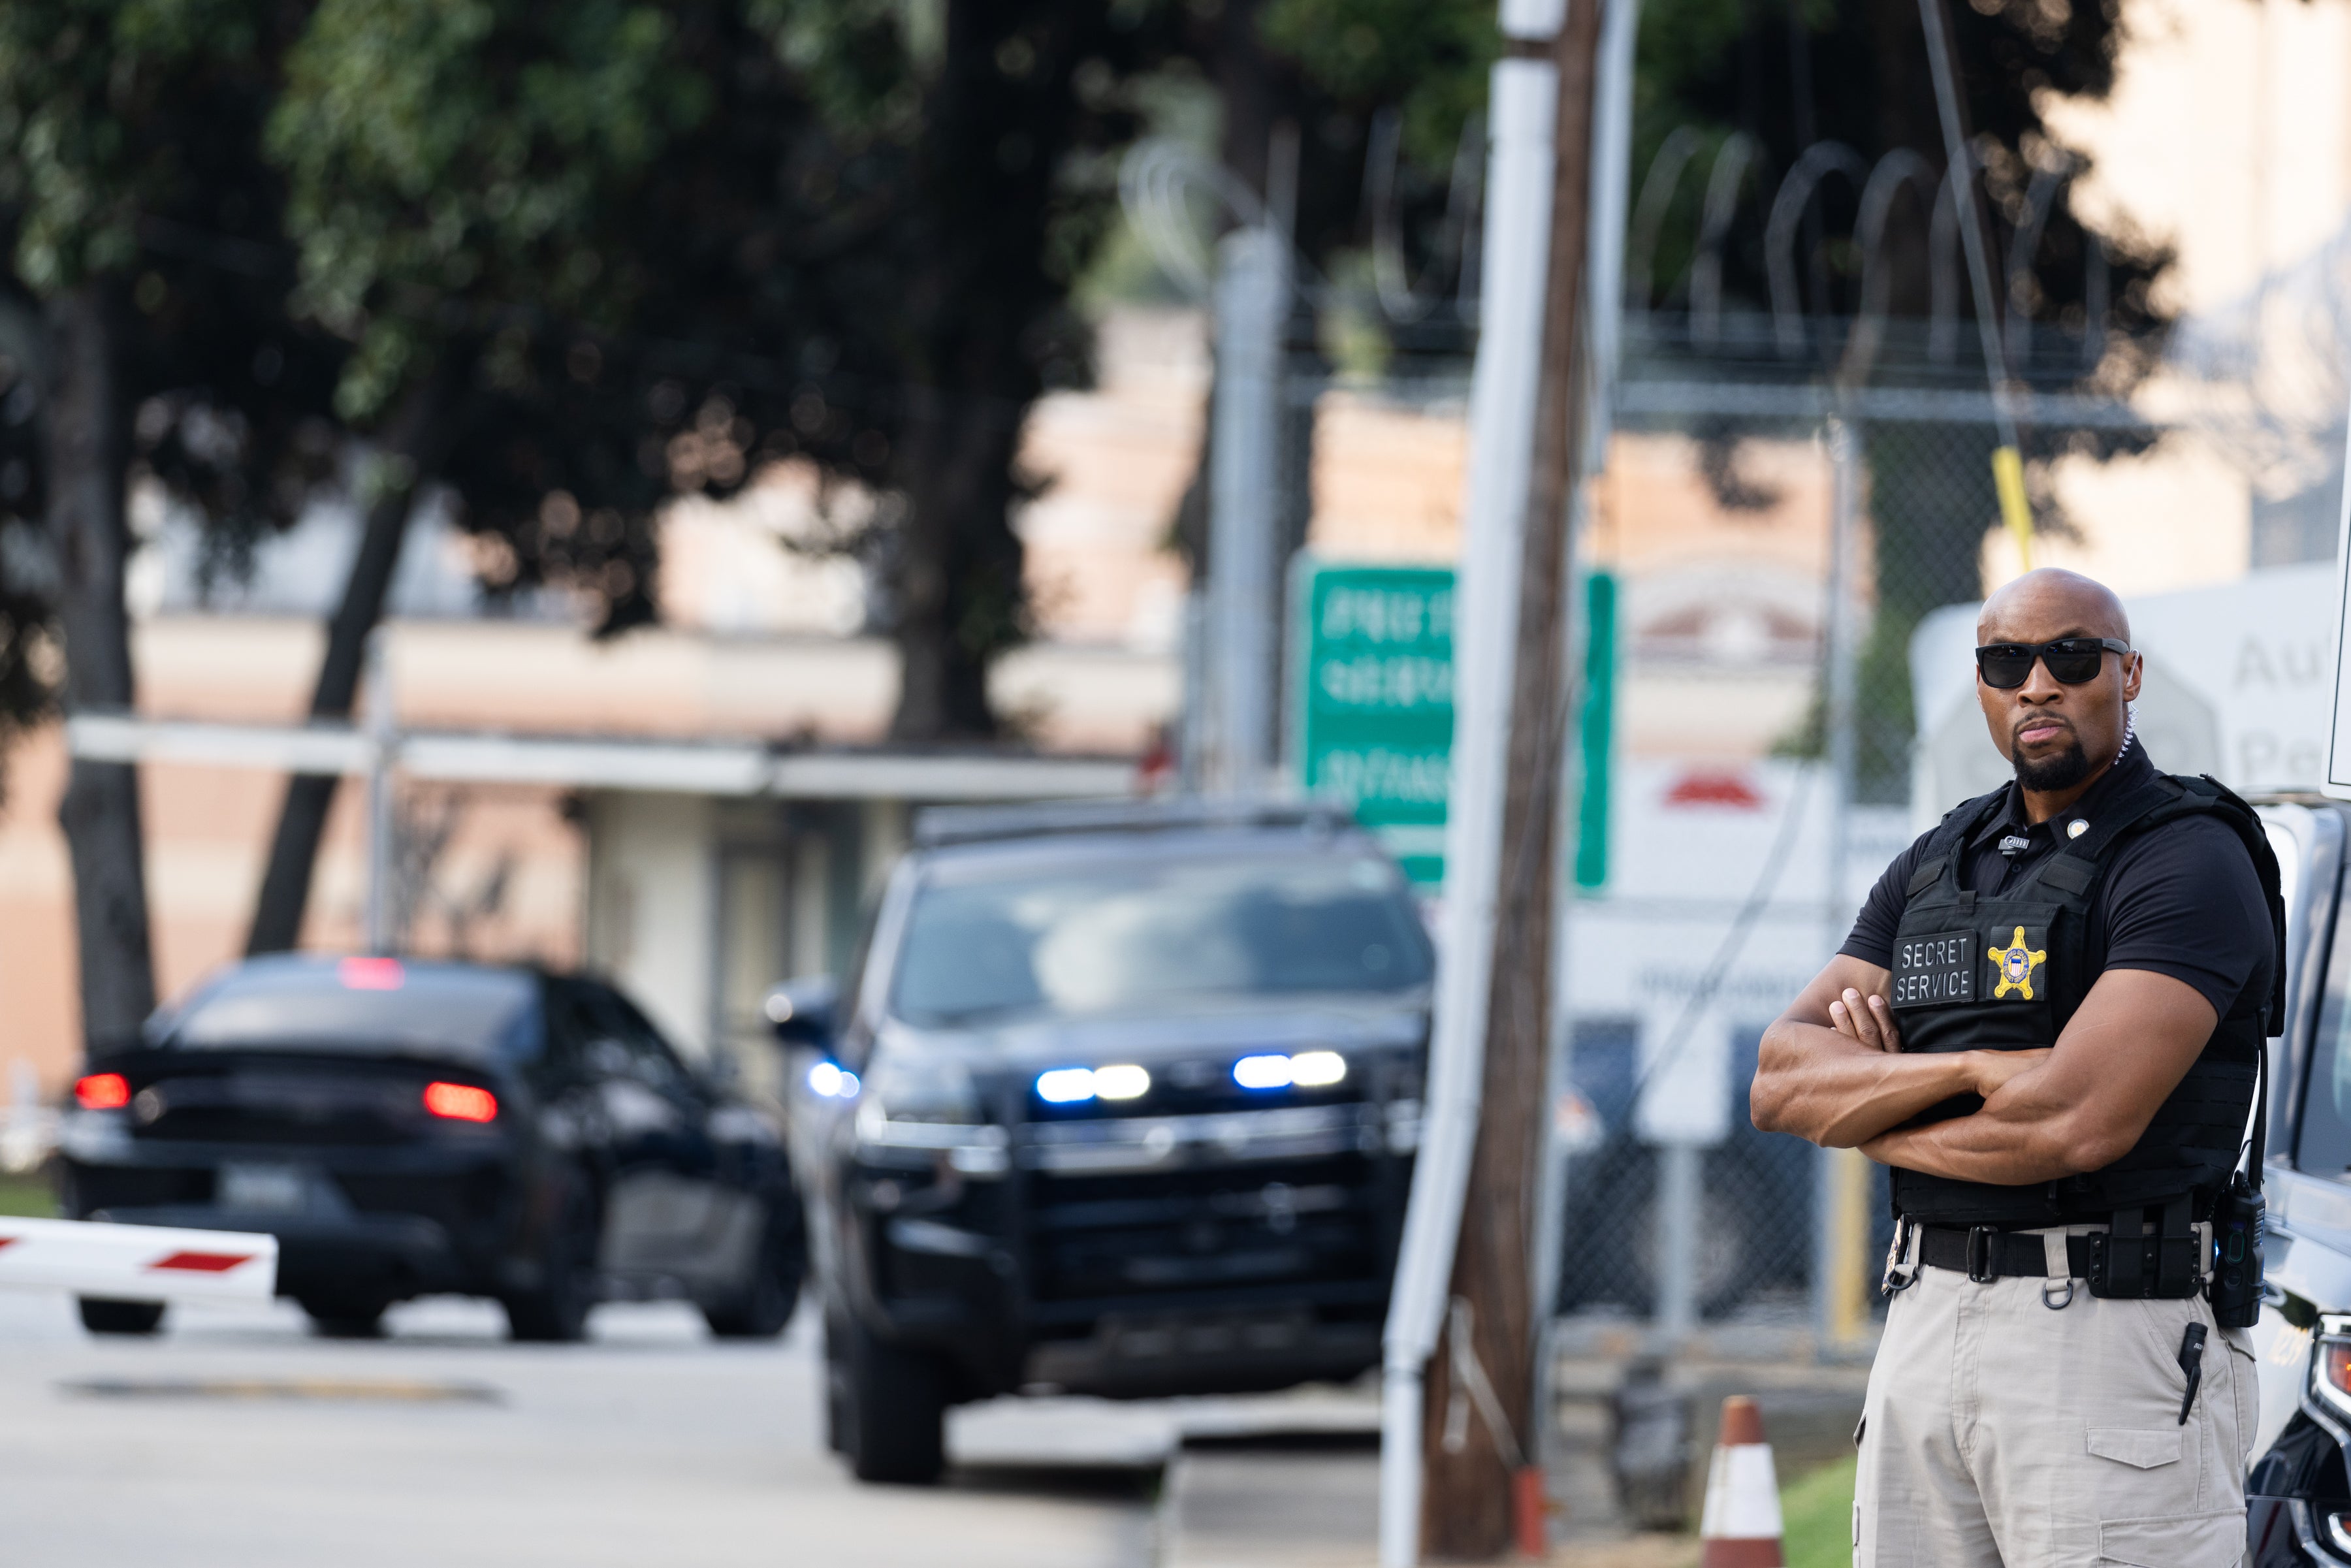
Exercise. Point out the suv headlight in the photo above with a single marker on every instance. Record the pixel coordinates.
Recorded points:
(912, 1111)
(2330, 1363)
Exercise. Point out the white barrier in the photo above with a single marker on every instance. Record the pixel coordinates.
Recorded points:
(137, 1262)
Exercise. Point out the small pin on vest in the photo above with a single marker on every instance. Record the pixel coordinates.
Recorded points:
(2077, 828)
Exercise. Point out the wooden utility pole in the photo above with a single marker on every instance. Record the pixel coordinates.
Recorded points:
(1466, 1511)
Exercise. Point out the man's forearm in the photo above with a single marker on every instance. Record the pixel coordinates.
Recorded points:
(2017, 1139)
(1974, 1148)
(2078, 1108)
(1821, 1085)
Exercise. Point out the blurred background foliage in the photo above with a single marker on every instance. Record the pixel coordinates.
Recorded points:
(560, 264)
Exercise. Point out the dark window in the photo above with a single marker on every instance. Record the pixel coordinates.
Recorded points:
(1148, 932)
(849, 1040)
(2324, 1145)
(617, 1040)
(361, 1004)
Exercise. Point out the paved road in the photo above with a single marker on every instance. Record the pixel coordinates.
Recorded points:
(238, 1439)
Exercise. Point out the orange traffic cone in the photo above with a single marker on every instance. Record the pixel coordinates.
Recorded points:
(1741, 1527)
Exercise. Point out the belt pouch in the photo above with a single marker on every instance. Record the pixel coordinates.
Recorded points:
(2133, 1262)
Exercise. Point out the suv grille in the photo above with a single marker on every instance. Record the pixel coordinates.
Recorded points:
(1120, 1237)
(1317, 1231)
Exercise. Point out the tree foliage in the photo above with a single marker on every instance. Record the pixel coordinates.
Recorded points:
(130, 153)
(446, 160)
(145, 292)
(1813, 70)
(1429, 61)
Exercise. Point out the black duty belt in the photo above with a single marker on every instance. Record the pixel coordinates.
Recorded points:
(1983, 1255)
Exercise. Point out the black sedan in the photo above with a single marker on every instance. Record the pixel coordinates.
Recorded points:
(407, 1128)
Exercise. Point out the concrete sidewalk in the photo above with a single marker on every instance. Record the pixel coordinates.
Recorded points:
(1265, 1494)
(1296, 1505)
(1317, 1507)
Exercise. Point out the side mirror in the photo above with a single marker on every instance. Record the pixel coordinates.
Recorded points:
(803, 1011)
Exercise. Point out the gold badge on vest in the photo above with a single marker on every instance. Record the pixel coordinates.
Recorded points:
(2014, 966)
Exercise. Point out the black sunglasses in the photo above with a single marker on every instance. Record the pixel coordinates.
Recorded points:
(2070, 660)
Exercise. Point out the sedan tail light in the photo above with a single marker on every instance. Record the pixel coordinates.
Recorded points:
(461, 1103)
(102, 1091)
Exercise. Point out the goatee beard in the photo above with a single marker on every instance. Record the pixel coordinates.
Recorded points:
(2063, 771)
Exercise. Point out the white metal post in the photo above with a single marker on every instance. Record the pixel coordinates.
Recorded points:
(384, 743)
(1676, 1224)
(1516, 251)
(1244, 483)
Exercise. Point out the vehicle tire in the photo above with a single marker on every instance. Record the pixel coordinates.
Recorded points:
(100, 1315)
(556, 1310)
(836, 1389)
(345, 1317)
(890, 1416)
(765, 1306)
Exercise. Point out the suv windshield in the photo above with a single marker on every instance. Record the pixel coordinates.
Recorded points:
(361, 1004)
(1146, 933)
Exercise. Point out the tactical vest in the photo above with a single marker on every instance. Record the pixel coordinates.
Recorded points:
(2006, 972)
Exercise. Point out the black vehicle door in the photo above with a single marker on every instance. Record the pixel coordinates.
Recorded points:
(2309, 1134)
(668, 1213)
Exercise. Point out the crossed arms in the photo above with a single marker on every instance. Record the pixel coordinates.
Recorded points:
(1832, 1071)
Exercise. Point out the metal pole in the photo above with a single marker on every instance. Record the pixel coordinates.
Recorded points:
(1835, 1253)
(1678, 1224)
(1611, 175)
(1194, 725)
(384, 736)
(1252, 302)
(1517, 249)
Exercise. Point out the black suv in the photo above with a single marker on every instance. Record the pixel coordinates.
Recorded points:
(1119, 1099)
(404, 1128)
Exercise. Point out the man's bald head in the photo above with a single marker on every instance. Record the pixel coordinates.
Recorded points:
(2051, 602)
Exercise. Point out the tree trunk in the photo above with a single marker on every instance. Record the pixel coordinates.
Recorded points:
(89, 452)
(957, 579)
(974, 326)
(1466, 1515)
(413, 446)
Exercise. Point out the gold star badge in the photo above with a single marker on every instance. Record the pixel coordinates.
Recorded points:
(2017, 962)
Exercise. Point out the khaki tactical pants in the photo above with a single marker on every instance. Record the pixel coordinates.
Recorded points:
(1998, 1433)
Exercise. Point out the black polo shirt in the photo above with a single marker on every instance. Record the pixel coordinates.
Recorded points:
(2182, 900)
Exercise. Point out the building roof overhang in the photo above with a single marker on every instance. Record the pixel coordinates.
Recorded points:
(729, 767)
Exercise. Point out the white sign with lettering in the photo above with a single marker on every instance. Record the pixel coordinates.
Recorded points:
(2337, 782)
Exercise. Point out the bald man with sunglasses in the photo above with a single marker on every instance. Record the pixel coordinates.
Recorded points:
(2046, 1022)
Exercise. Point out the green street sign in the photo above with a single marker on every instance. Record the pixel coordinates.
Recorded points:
(1372, 708)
